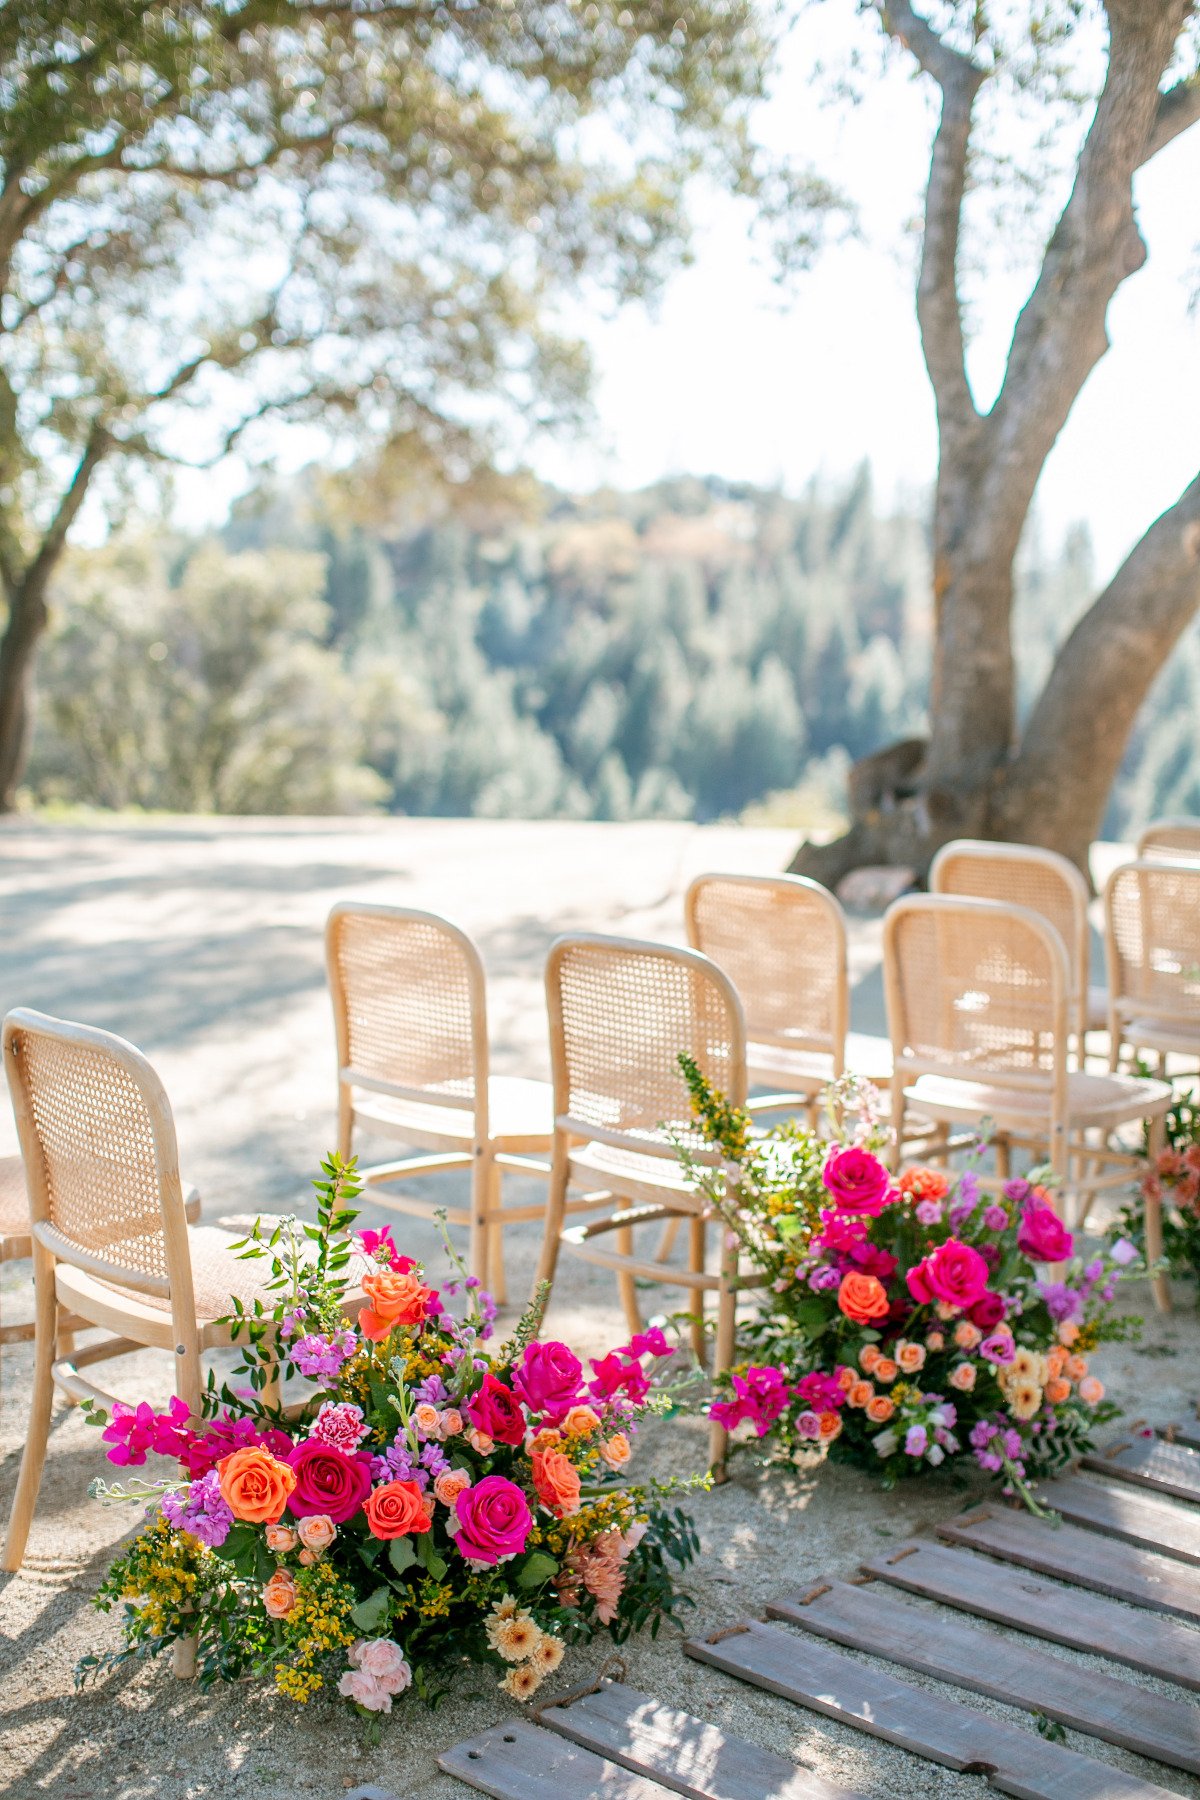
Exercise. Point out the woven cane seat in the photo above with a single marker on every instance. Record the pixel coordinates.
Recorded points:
(1107, 1100)
(520, 1115)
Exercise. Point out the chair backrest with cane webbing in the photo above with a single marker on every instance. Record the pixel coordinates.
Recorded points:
(1152, 937)
(782, 941)
(1024, 875)
(975, 989)
(101, 1158)
(1172, 840)
(409, 1004)
(621, 1012)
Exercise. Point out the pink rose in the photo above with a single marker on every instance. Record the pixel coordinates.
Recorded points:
(316, 1531)
(494, 1520)
(858, 1181)
(328, 1481)
(496, 1411)
(365, 1691)
(953, 1274)
(384, 1661)
(1043, 1237)
(548, 1380)
(988, 1311)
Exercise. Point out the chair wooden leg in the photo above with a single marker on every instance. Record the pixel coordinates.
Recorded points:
(477, 1248)
(697, 1250)
(724, 1351)
(556, 1206)
(189, 1387)
(345, 1120)
(627, 1282)
(667, 1242)
(1003, 1158)
(41, 1405)
(1160, 1285)
(495, 1281)
(897, 1111)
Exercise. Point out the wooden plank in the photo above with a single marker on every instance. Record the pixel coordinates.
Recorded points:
(1018, 1673)
(1186, 1432)
(1145, 1641)
(688, 1755)
(1166, 1468)
(856, 1693)
(519, 1761)
(1127, 1513)
(1122, 1571)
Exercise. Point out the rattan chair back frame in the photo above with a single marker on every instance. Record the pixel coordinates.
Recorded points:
(1025, 875)
(782, 941)
(1152, 942)
(410, 1007)
(1172, 840)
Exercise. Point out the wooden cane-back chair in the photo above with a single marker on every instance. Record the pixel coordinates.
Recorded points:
(782, 941)
(1046, 883)
(621, 1012)
(112, 1247)
(977, 998)
(1170, 840)
(1152, 936)
(410, 1014)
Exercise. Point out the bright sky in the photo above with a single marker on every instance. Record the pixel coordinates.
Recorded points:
(732, 377)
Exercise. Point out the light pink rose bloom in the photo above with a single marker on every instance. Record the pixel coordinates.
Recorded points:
(384, 1661)
(280, 1539)
(452, 1422)
(317, 1531)
(364, 1690)
(450, 1485)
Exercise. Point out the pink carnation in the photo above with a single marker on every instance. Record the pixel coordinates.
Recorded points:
(341, 1425)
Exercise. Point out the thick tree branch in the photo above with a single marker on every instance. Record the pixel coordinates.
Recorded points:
(1178, 109)
(37, 573)
(1061, 335)
(1076, 735)
(939, 307)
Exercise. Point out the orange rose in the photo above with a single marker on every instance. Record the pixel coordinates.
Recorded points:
(548, 1438)
(1056, 1360)
(279, 1595)
(255, 1485)
(886, 1370)
(862, 1298)
(1076, 1367)
(966, 1335)
(860, 1393)
(911, 1357)
(1057, 1390)
(396, 1509)
(963, 1377)
(616, 1450)
(556, 1481)
(581, 1421)
(1068, 1331)
(831, 1426)
(450, 1484)
(880, 1409)
(868, 1356)
(924, 1184)
(1091, 1391)
(396, 1299)
(846, 1378)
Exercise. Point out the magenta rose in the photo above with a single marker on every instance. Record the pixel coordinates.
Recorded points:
(1043, 1237)
(494, 1520)
(988, 1311)
(548, 1379)
(328, 1481)
(496, 1411)
(953, 1272)
(858, 1181)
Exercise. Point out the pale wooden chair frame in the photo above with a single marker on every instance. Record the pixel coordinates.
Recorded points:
(641, 1197)
(485, 1153)
(1053, 1109)
(1088, 1008)
(67, 1294)
(1172, 1030)
(805, 900)
(1171, 840)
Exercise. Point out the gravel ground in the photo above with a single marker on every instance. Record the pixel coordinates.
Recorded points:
(202, 943)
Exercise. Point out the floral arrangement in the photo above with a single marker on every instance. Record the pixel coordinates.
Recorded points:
(905, 1323)
(1173, 1176)
(429, 1503)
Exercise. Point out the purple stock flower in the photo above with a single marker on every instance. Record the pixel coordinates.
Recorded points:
(822, 1279)
(320, 1358)
(434, 1458)
(982, 1433)
(994, 1217)
(928, 1212)
(201, 1510)
(431, 1391)
(1062, 1302)
(1017, 1190)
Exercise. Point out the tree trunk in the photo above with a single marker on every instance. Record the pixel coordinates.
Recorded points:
(1053, 790)
(27, 617)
